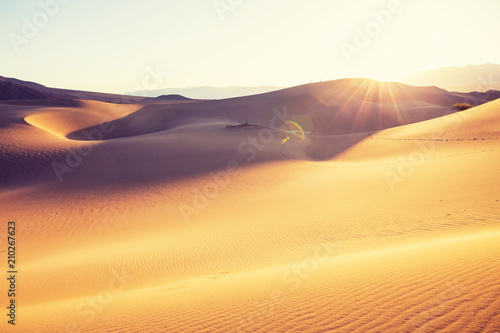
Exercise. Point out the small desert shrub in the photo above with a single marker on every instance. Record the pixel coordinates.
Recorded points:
(462, 106)
(237, 125)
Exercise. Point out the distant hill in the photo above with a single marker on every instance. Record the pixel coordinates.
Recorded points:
(462, 79)
(15, 89)
(207, 92)
(172, 97)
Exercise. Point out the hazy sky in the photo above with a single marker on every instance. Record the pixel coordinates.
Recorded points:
(113, 46)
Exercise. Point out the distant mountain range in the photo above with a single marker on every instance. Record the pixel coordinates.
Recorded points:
(207, 92)
(14, 89)
(463, 79)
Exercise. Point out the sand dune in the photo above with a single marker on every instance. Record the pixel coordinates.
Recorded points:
(384, 219)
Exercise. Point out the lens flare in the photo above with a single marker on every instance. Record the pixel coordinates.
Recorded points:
(294, 132)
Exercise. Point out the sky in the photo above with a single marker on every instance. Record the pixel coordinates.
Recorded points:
(121, 46)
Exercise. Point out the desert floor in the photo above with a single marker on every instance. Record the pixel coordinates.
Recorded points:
(200, 227)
